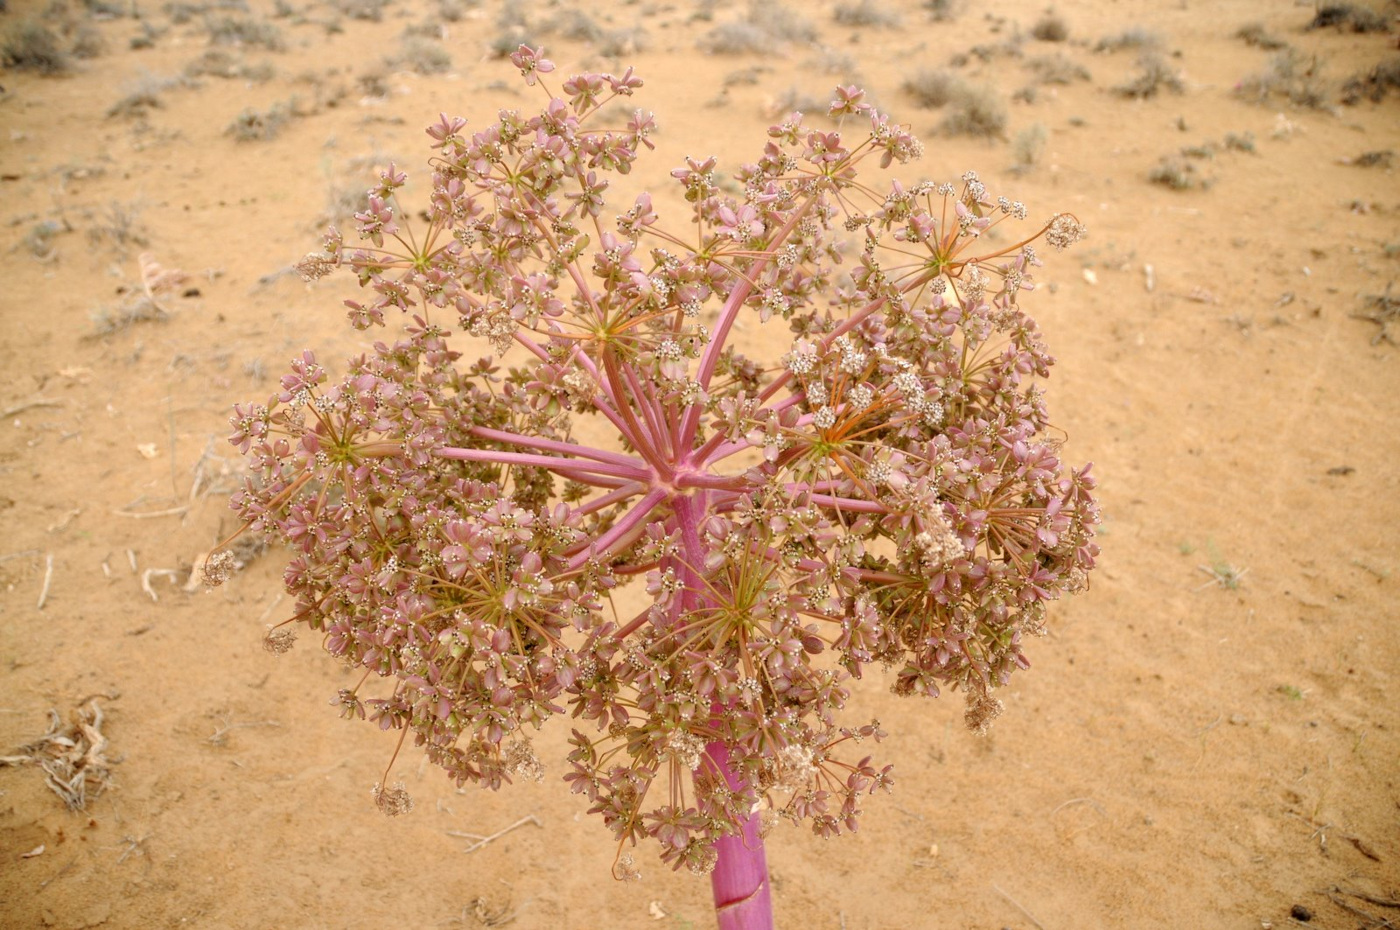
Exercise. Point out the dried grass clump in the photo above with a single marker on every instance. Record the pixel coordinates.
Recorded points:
(783, 23)
(1154, 75)
(617, 43)
(72, 756)
(1057, 69)
(218, 63)
(369, 11)
(1028, 147)
(1380, 158)
(932, 89)
(763, 28)
(422, 56)
(506, 42)
(1347, 17)
(942, 11)
(515, 31)
(1240, 142)
(142, 97)
(259, 125)
(574, 25)
(797, 100)
(1050, 28)
(865, 13)
(1290, 74)
(1384, 311)
(1176, 173)
(1136, 37)
(1372, 85)
(32, 46)
(454, 11)
(736, 38)
(118, 226)
(990, 51)
(1254, 34)
(244, 30)
(975, 111)
(86, 42)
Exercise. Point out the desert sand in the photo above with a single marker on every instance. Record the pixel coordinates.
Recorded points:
(1209, 737)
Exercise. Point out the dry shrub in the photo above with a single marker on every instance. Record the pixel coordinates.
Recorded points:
(31, 46)
(1347, 17)
(243, 30)
(942, 11)
(975, 111)
(1254, 34)
(1175, 173)
(1057, 69)
(1154, 75)
(765, 26)
(259, 125)
(1136, 37)
(1290, 74)
(422, 56)
(1372, 85)
(865, 13)
(1050, 28)
(1028, 147)
(932, 89)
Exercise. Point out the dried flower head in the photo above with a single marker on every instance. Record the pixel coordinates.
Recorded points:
(217, 568)
(279, 641)
(881, 493)
(392, 801)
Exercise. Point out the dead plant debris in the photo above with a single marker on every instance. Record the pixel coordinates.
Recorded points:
(72, 754)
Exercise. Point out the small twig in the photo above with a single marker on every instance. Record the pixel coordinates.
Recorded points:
(18, 555)
(270, 607)
(68, 518)
(1376, 923)
(173, 511)
(1017, 904)
(1380, 574)
(483, 840)
(28, 405)
(1224, 576)
(220, 736)
(1210, 726)
(1370, 899)
(134, 844)
(1319, 829)
(1090, 801)
(195, 581)
(61, 872)
(150, 573)
(48, 578)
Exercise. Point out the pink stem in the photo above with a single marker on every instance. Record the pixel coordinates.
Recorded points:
(743, 896)
(621, 534)
(563, 448)
(729, 312)
(588, 472)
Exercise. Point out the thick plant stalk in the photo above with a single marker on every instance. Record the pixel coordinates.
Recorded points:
(743, 896)
(739, 881)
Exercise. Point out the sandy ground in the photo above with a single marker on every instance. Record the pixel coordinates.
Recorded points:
(1209, 738)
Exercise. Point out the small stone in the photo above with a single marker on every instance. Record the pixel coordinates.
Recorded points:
(1298, 912)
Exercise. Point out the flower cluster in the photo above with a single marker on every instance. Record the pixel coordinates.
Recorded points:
(698, 593)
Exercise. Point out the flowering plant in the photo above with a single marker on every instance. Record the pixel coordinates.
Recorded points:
(690, 551)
